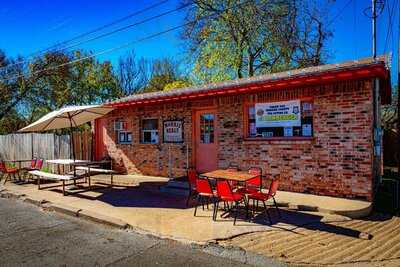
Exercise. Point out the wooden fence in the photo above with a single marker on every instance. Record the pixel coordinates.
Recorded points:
(46, 146)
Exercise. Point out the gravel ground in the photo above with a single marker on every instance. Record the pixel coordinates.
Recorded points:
(30, 236)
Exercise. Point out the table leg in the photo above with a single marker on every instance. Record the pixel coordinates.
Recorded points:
(74, 175)
(19, 169)
(112, 178)
(63, 187)
(38, 182)
(89, 176)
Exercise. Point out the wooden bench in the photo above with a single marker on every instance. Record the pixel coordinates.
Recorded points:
(90, 170)
(53, 176)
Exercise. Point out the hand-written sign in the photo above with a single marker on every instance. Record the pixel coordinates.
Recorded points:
(173, 131)
(278, 114)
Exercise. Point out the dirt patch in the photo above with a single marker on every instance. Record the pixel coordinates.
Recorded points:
(329, 243)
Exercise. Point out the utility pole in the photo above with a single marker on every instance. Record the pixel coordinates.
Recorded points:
(374, 29)
(377, 136)
(398, 101)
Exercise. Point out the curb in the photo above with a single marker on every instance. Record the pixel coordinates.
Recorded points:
(65, 209)
(35, 201)
(6, 194)
(103, 219)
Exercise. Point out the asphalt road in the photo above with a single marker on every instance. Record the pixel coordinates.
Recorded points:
(32, 237)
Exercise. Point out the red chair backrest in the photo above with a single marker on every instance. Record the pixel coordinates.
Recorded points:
(2, 167)
(192, 177)
(273, 187)
(224, 189)
(33, 163)
(203, 186)
(39, 164)
(256, 181)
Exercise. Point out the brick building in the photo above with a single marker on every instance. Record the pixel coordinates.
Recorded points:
(313, 126)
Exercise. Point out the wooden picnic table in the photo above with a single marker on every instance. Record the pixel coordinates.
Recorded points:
(74, 163)
(239, 176)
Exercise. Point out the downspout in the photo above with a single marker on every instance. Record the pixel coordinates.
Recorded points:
(377, 135)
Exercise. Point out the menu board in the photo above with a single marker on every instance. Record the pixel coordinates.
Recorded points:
(173, 131)
(278, 114)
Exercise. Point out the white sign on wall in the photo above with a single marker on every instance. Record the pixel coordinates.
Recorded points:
(278, 114)
(173, 131)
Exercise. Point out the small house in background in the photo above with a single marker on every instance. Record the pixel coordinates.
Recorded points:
(313, 126)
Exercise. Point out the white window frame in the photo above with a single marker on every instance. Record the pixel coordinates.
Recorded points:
(142, 131)
(126, 133)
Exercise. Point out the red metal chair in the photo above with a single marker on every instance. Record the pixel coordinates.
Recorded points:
(233, 168)
(226, 195)
(204, 193)
(32, 167)
(263, 197)
(253, 185)
(192, 178)
(8, 172)
(39, 164)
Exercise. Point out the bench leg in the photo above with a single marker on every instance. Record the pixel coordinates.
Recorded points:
(90, 182)
(63, 187)
(112, 178)
(7, 178)
(38, 182)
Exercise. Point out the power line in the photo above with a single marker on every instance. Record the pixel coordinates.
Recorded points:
(391, 19)
(355, 40)
(121, 46)
(125, 27)
(136, 13)
(339, 13)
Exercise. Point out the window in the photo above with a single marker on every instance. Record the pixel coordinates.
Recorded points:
(124, 137)
(277, 117)
(207, 128)
(149, 131)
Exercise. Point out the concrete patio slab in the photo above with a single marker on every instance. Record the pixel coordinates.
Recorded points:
(347, 207)
(144, 208)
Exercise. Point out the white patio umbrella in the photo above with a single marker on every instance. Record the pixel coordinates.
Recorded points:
(67, 117)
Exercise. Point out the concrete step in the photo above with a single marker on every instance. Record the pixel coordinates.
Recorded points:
(178, 184)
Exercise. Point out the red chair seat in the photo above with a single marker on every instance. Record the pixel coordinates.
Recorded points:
(244, 190)
(233, 197)
(12, 170)
(208, 194)
(259, 196)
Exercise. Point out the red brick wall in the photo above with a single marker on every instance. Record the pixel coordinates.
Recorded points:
(336, 162)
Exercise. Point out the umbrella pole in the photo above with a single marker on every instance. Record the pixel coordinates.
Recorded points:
(72, 144)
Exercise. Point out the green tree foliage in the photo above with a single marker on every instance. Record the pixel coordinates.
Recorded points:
(164, 71)
(390, 116)
(233, 39)
(177, 84)
(51, 82)
(13, 88)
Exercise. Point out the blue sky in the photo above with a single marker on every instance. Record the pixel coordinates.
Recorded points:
(29, 26)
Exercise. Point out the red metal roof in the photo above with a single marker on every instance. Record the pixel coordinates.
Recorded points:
(358, 69)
